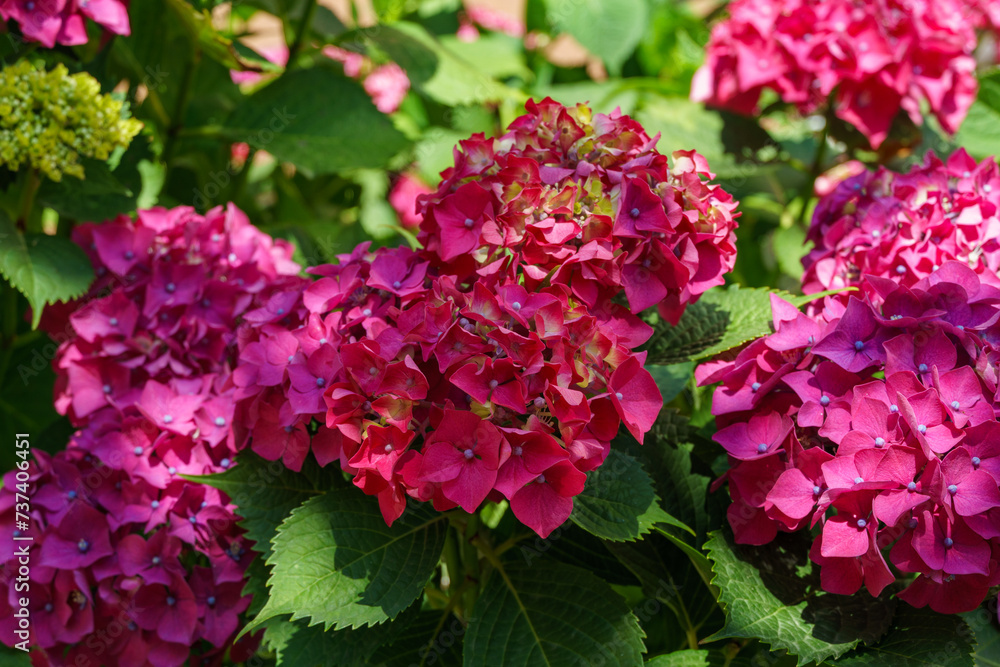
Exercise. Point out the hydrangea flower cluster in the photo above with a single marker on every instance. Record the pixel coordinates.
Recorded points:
(497, 362)
(583, 200)
(878, 420)
(422, 388)
(64, 22)
(875, 58)
(904, 226)
(50, 119)
(137, 563)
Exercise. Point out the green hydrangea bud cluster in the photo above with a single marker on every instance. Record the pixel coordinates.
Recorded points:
(50, 119)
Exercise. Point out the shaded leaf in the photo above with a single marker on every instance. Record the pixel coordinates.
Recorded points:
(618, 501)
(551, 615)
(919, 638)
(97, 197)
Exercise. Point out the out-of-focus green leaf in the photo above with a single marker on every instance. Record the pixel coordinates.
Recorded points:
(609, 30)
(319, 120)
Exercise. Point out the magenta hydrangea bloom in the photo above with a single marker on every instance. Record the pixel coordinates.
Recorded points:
(869, 60)
(902, 227)
(144, 372)
(52, 22)
(890, 408)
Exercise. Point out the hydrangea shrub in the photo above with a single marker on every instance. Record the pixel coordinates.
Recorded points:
(429, 335)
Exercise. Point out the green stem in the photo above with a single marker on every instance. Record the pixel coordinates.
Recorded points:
(451, 561)
(445, 613)
(302, 32)
(177, 120)
(31, 184)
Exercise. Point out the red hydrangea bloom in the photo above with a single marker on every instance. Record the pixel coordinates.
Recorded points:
(880, 425)
(903, 226)
(425, 388)
(873, 58)
(143, 371)
(585, 200)
(52, 22)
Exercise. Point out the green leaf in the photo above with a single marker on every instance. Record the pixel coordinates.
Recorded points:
(319, 120)
(618, 501)
(753, 609)
(682, 125)
(980, 131)
(436, 71)
(266, 492)
(46, 269)
(12, 657)
(314, 647)
(789, 247)
(432, 638)
(215, 46)
(723, 318)
(683, 659)
(97, 197)
(377, 216)
(918, 638)
(609, 30)
(573, 545)
(551, 615)
(671, 378)
(337, 563)
(983, 622)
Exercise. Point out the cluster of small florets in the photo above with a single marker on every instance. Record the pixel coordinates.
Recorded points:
(424, 388)
(583, 200)
(51, 119)
(113, 579)
(878, 420)
(64, 22)
(874, 58)
(904, 226)
(497, 362)
(143, 373)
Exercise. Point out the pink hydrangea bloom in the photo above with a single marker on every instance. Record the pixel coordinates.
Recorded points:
(904, 226)
(52, 22)
(878, 423)
(873, 58)
(403, 197)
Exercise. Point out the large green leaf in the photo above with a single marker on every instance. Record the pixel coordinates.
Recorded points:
(319, 120)
(618, 501)
(11, 657)
(44, 268)
(983, 622)
(551, 615)
(765, 596)
(723, 318)
(97, 197)
(609, 30)
(336, 562)
(918, 638)
(437, 71)
(266, 492)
